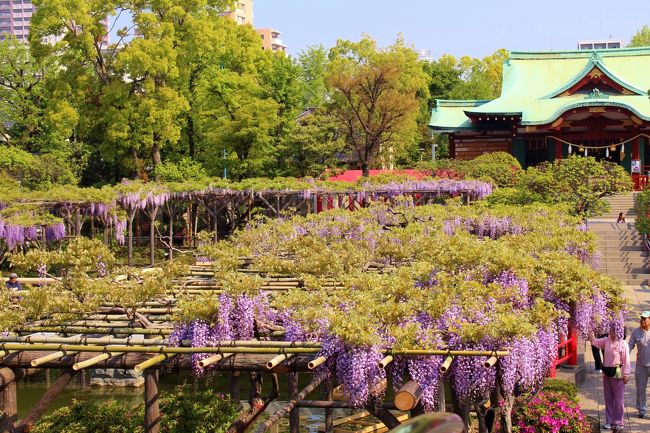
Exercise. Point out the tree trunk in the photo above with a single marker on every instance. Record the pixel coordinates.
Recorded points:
(171, 235)
(152, 235)
(155, 156)
(506, 414)
(190, 134)
(52, 392)
(461, 408)
(375, 405)
(258, 403)
(130, 247)
(365, 169)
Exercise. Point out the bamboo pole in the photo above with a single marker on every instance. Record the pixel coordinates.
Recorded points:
(233, 349)
(490, 362)
(278, 359)
(152, 361)
(51, 357)
(92, 361)
(445, 365)
(83, 330)
(214, 359)
(384, 362)
(316, 362)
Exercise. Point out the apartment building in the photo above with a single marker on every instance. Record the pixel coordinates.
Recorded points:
(15, 17)
(242, 12)
(271, 40)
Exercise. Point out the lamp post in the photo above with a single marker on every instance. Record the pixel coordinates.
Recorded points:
(225, 165)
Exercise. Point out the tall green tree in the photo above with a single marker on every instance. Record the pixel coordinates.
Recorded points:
(313, 63)
(641, 38)
(24, 120)
(375, 97)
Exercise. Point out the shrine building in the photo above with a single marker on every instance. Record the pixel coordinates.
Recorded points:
(556, 103)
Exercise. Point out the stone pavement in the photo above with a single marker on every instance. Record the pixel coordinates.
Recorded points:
(591, 391)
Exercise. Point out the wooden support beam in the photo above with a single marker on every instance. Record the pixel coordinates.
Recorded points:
(8, 401)
(408, 396)
(291, 404)
(52, 392)
(151, 403)
(294, 412)
(329, 412)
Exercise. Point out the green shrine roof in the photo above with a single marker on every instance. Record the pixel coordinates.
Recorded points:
(541, 86)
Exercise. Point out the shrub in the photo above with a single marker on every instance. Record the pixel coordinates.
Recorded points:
(184, 170)
(500, 168)
(183, 410)
(569, 389)
(35, 171)
(514, 197)
(642, 207)
(548, 412)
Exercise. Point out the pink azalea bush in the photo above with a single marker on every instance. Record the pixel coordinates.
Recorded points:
(549, 412)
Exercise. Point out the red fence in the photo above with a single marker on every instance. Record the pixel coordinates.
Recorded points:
(567, 351)
(640, 181)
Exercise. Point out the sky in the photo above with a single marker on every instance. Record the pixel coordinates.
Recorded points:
(470, 27)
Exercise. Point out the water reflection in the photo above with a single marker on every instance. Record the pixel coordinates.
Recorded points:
(31, 389)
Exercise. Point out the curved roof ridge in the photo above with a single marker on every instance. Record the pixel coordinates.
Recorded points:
(595, 61)
(609, 52)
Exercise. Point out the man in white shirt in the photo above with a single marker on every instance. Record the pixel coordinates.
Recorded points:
(641, 339)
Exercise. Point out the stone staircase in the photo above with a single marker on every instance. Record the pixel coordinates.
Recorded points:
(620, 203)
(624, 255)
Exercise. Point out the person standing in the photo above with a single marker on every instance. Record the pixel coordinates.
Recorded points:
(641, 339)
(616, 372)
(13, 284)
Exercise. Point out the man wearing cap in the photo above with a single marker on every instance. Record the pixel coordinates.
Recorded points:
(641, 339)
(13, 283)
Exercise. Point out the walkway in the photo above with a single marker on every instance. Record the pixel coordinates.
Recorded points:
(590, 392)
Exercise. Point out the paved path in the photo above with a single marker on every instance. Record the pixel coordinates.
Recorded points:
(590, 392)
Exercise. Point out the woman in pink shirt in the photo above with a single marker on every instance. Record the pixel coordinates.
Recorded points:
(616, 371)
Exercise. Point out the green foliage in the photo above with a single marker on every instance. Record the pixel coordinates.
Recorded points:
(183, 411)
(81, 288)
(500, 168)
(642, 207)
(580, 182)
(184, 170)
(34, 172)
(465, 78)
(92, 417)
(568, 389)
(641, 38)
(410, 246)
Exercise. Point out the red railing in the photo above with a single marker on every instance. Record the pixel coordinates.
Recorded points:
(567, 350)
(640, 181)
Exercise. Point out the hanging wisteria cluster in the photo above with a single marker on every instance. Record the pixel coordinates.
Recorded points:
(449, 278)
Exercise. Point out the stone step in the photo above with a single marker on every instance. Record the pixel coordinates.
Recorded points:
(624, 258)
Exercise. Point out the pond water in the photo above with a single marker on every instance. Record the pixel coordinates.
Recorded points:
(30, 390)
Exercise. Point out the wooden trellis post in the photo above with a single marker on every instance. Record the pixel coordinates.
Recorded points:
(8, 401)
(151, 403)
